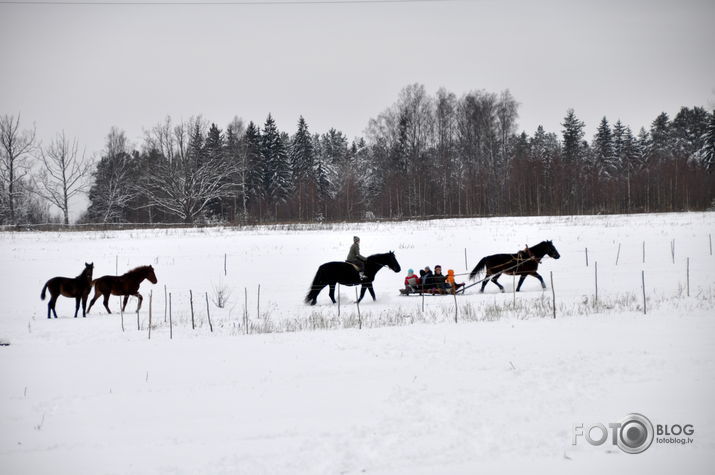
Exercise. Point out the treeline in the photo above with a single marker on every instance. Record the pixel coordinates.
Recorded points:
(425, 155)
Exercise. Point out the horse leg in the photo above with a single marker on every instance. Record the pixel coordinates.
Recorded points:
(141, 299)
(124, 304)
(51, 305)
(106, 301)
(84, 305)
(485, 281)
(536, 274)
(362, 292)
(76, 307)
(97, 293)
(332, 292)
(372, 291)
(521, 281)
(495, 279)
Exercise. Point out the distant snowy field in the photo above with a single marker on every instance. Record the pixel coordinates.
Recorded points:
(410, 392)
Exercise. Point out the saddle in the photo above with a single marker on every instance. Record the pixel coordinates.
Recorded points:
(526, 254)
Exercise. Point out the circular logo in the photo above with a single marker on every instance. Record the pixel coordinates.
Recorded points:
(636, 434)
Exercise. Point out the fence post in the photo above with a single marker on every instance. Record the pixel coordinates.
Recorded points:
(171, 324)
(687, 275)
(710, 239)
(643, 285)
(338, 299)
(191, 304)
(672, 250)
(151, 297)
(553, 293)
(643, 252)
(208, 312)
(245, 310)
(258, 303)
(595, 269)
(454, 294)
(357, 302)
(466, 267)
(619, 253)
(225, 257)
(586, 257)
(165, 301)
(121, 313)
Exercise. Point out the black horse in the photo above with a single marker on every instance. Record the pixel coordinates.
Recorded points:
(332, 273)
(522, 263)
(77, 288)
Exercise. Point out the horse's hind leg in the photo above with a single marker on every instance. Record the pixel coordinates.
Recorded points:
(495, 279)
(521, 281)
(124, 303)
(141, 299)
(332, 292)
(51, 305)
(105, 301)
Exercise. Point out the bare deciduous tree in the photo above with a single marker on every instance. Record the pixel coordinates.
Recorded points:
(63, 175)
(15, 146)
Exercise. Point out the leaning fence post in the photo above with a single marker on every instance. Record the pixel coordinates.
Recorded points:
(619, 253)
(208, 312)
(191, 304)
(553, 293)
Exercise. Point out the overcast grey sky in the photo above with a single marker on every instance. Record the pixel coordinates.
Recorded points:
(84, 68)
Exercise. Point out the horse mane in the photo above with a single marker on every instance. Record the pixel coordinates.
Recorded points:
(138, 270)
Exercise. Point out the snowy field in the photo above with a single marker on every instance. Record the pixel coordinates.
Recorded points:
(410, 392)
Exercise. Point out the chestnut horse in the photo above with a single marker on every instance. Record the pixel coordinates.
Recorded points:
(77, 288)
(126, 285)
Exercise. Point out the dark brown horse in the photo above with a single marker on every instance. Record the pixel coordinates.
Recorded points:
(77, 288)
(522, 263)
(126, 285)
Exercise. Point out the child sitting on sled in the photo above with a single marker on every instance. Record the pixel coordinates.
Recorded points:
(412, 282)
(452, 283)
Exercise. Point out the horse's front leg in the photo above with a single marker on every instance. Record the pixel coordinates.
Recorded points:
(141, 299)
(84, 304)
(536, 274)
(362, 292)
(76, 307)
(105, 301)
(521, 281)
(331, 293)
(372, 291)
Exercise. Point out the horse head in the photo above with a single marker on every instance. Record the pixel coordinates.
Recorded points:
(151, 275)
(88, 271)
(392, 262)
(551, 250)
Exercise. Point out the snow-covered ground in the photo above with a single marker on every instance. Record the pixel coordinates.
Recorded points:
(410, 392)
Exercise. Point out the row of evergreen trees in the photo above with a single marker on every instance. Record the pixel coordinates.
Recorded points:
(426, 155)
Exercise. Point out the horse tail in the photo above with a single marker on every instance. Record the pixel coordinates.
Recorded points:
(42, 295)
(315, 288)
(478, 270)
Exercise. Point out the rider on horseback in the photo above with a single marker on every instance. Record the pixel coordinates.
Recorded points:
(357, 259)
